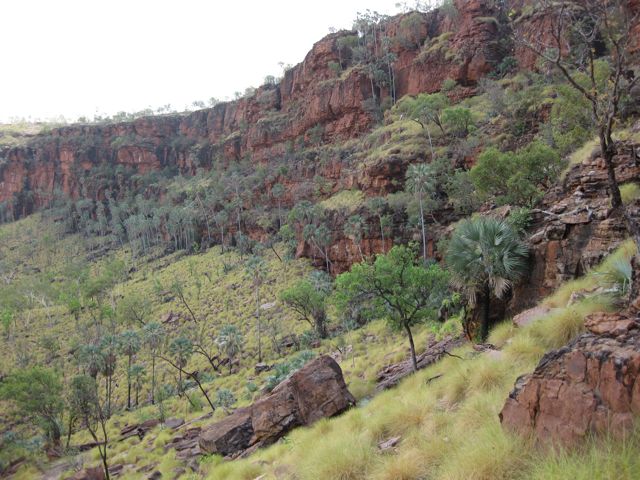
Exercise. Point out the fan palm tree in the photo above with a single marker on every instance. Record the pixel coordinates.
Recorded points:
(230, 341)
(485, 257)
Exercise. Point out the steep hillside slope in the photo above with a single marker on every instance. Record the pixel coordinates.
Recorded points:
(158, 276)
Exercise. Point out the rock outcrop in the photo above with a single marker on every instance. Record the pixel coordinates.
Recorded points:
(315, 391)
(575, 227)
(586, 387)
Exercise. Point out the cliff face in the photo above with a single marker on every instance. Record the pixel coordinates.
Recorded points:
(310, 96)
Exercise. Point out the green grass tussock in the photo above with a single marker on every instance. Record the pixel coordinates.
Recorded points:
(629, 192)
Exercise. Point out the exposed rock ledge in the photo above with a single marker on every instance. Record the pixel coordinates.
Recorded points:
(315, 391)
(587, 386)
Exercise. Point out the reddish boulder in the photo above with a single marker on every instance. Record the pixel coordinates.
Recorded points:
(586, 387)
(95, 473)
(315, 391)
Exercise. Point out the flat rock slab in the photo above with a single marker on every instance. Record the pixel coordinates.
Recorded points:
(613, 324)
(391, 375)
(315, 391)
(174, 423)
(139, 430)
(529, 316)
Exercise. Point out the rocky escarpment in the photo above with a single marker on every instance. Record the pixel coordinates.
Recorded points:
(315, 391)
(312, 100)
(575, 226)
(589, 386)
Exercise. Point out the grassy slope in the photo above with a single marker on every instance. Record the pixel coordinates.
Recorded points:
(449, 426)
(224, 297)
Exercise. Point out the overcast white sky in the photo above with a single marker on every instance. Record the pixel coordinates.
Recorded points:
(76, 57)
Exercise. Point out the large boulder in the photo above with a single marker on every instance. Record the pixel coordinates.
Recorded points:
(587, 386)
(315, 391)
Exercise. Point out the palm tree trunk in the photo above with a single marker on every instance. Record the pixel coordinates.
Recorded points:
(424, 235)
(153, 379)
(484, 329)
(259, 325)
(129, 384)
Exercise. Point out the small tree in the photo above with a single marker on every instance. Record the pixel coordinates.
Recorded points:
(320, 237)
(132, 309)
(256, 269)
(204, 344)
(277, 192)
(85, 404)
(485, 256)
(109, 349)
(153, 335)
(129, 344)
(308, 299)
(137, 375)
(378, 206)
(6, 317)
(177, 288)
(425, 109)
(36, 394)
(181, 350)
(396, 286)
(91, 359)
(230, 341)
(458, 120)
(354, 229)
(580, 32)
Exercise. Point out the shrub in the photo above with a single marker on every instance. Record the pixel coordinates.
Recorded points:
(516, 177)
(520, 219)
(570, 119)
(448, 85)
(629, 192)
(461, 192)
(225, 399)
(458, 120)
(335, 68)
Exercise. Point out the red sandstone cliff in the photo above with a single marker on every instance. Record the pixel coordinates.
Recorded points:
(261, 125)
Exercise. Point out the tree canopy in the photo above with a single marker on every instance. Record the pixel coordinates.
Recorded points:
(397, 286)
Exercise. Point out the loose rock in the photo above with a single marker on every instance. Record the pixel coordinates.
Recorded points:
(315, 391)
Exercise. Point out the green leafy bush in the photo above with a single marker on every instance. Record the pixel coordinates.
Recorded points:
(520, 219)
(457, 120)
(516, 177)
